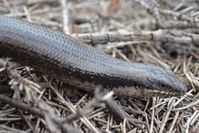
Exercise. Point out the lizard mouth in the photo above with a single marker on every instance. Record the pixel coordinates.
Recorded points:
(165, 91)
(138, 91)
(161, 93)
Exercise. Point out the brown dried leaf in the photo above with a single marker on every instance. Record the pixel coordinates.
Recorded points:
(113, 7)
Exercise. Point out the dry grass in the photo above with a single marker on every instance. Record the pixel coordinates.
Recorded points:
(177, 49)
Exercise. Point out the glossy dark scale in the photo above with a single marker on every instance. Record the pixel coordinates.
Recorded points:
(64, 57)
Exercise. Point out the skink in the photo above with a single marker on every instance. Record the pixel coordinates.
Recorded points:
(63, 57)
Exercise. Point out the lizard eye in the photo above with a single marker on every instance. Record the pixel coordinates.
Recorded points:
(162, 85)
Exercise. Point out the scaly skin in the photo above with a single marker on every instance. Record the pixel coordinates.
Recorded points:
(65, 58)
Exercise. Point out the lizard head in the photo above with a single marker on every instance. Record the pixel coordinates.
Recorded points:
(153, 81)
(162, 82)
